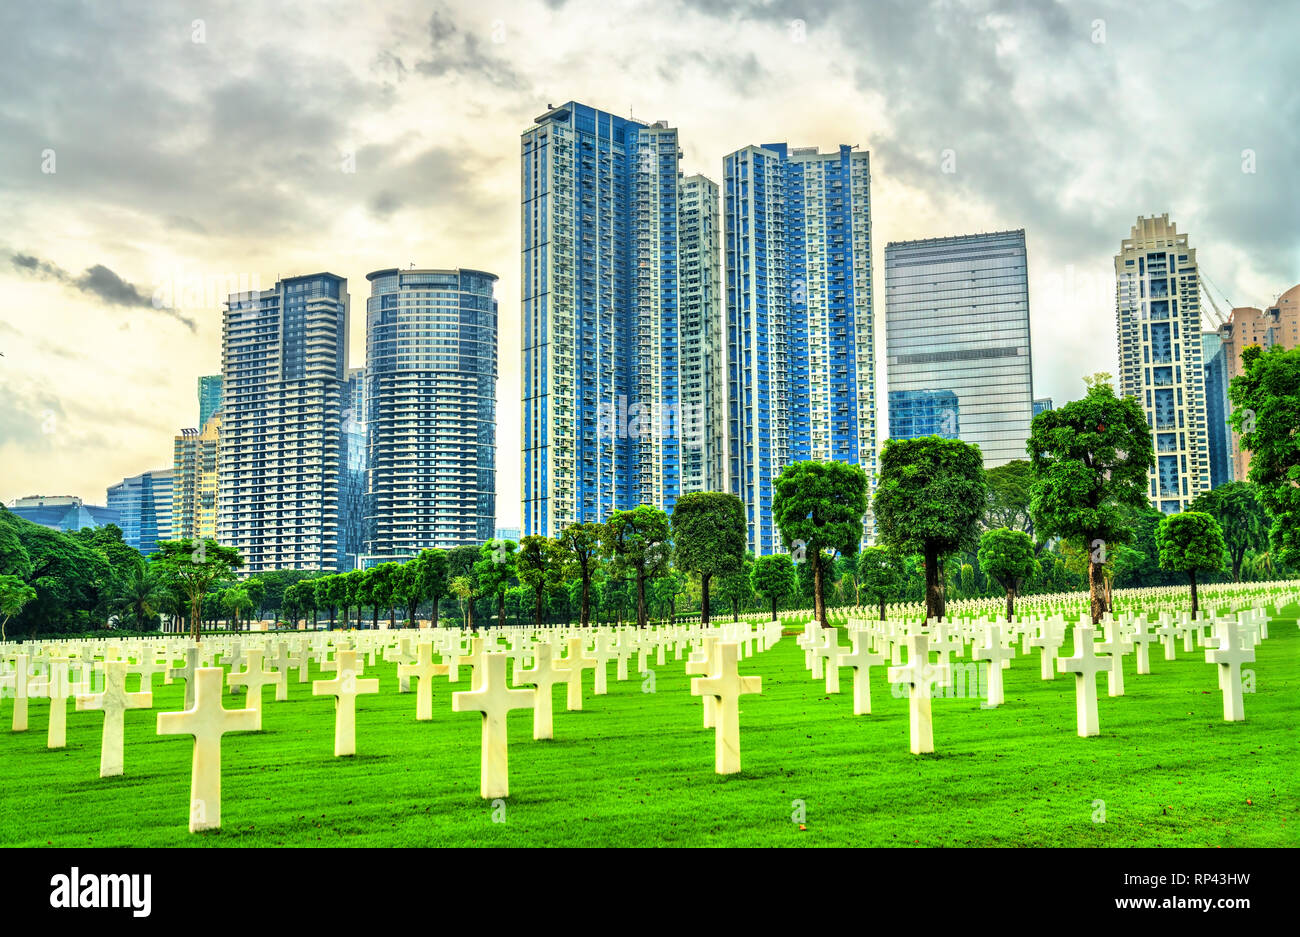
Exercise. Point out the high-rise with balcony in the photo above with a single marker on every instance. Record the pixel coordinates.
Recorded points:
(430, 405)
(799, 321)
(957, 341)
(209, 397)
(283, 360)
(703, 375)
(603, 425)
(194, 481)
(1158, 321)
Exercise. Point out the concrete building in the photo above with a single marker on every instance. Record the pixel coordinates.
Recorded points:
(958, 342)
(703, 366)
(1158, 322)
(284, 354)
(195, 473)
(430, 405)
(799, 320)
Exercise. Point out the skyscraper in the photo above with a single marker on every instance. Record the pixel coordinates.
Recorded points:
(1214, 365)
(352, 470)
(703, 373)
(799, 323)
(194, 481)
(1279, 324)
(1042, 405)
(209, 397)
(1158, 320)
(283, 354)
(602, 408)
(957, 337)
(430, 398)
(144, 507)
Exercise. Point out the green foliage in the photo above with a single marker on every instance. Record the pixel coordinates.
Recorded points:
(1191, 542)
(1008, 556)
(579, 546)
(540, 566)
(194, 567)
(14, 594)
(1241, 517)
(709, 537)
(1010, 490)
(1266, 411)
(773, 578)
(735, 587)
(496, 572)
(880, 576)
(638, 543)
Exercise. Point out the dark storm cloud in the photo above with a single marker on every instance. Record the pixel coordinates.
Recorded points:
(456, 50)
(98, 282)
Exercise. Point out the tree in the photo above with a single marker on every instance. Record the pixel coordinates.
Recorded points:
(196, 567)
(384, 584)
(433, 578)
(773, 578)
(407, 589)
(139, 598)
(929, 500)
(326, 591)
(1091, 458)
(1241, 517)
(638, 542)
(538, 565)
(880, 576)
(462, 587)
(665, 589)
(496, 573)
(735, 586)
(1009, 493)
(580, 544)
(14, 594)
(1189, 543)
(237, 600)
(1008, 556)
(820, 506)
(709, 538)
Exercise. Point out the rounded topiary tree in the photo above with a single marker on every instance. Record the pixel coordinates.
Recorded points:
(1189, 543)
(709, 538)
(929, 500)
(773, 578)
(880, 576)
(1008, 556)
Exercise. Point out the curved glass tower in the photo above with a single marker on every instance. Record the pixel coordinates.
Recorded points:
(430, 404)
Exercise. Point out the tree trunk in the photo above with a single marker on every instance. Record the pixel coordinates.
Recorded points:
(586, 596)
(1096, 583)
(374, 622)
(774, 618)
(1011, 604)
(935, 606)
(882, 609)
(640, 600)
(1237, 557)
(704, 597)
(537, 607)
(1192, 577)
(819, 597)
(433, 613)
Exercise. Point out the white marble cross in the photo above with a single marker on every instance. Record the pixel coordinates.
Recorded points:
(1049, 639)
(571, 667)
(280, 664)
(424, 670)
(494, 699)
(24, 688)
(861, 660)
(1141, 638)
(1085, 665)
(345, 688)
(993, 652)
(920, 676)
(725, 686)
(186, 673)
(472, 660)
(542, 675)
(301, 658)
(207, 720)
(1116, 647)
(253, 678)
(702, 664)
(828, 649)
(61, 687)
(1167, 631)
(1231, 653)
(402, 654)
(113, 702)
(601, 656)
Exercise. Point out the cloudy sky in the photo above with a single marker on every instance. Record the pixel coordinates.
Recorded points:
(152, 154)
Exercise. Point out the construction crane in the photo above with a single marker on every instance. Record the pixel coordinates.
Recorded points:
(1218, 319)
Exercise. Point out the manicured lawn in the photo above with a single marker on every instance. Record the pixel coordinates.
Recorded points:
(636, 768)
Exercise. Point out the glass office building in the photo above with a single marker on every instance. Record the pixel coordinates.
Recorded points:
(352, 470)
(957, 341)
(209, 397)
(799, 324)
(603, 422)
(1214, 363)
(430, 405)
(1158, 323)
(283, 353)
(144, 508)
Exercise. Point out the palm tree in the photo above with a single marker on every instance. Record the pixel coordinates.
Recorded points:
(463, 589)
(140, 597)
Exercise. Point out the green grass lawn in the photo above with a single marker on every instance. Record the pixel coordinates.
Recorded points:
(636, 769)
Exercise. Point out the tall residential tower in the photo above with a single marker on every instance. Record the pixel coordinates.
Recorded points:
(799, 322)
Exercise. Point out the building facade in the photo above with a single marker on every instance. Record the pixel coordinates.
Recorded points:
(703, 365)
(283, 354)
(144, 508)
(1158, 321)
(600, 283)
(1214, 365)
(194, 486)
(1042, 405)
(209, 397)
(1279, 324)
(62, 512)
(430, 405)
(352, 471)
(958, 342)
(799, 321)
